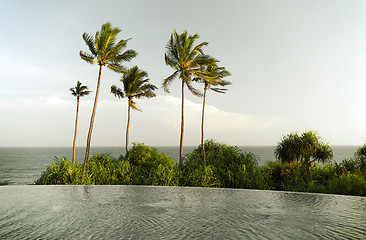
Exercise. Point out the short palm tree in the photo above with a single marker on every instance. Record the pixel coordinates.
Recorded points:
(211, 76)
(135, 85)
(306, 148)
(105, 51)
(77, 91)
(187, 60)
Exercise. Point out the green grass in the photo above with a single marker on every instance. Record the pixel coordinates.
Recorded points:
(227, 167)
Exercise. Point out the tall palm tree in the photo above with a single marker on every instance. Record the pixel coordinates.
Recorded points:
(105, 51)
(135, 85)
(186, 59)
(211, 76)
(77, 91)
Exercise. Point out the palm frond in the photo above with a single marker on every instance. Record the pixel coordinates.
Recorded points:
(146, 90)
(224, 83)
(193, 90)
(87, 57)
(134, 105)
(117, 92)
(172, 52)
(120, 45)
(73, 92)
(196, 49)
(168, 81)
(117, 68)
(124, 57)
(107, 37)
(90, 42)
(79, 90)
(218, 90)
(204, 60)
(171, 62)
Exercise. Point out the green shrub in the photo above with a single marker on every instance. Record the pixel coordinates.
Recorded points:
(322, 173)
(349, 165)
(61, 171)
(287, 176)
(141, 165)
(149, 167)
(4, 182)
(227, 166)
(348, 184)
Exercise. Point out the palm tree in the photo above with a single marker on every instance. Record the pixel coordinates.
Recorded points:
(105, 51)
(211, 75)
(77, 91)
(135, 85)
(186, 59)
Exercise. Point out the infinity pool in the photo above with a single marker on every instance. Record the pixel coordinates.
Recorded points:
(141, 212)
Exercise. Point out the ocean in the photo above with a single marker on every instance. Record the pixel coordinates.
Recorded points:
(23, 165)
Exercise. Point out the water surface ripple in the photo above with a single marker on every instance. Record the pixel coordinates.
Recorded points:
(141, 212)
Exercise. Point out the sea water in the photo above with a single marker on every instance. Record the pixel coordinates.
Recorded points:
(21, 166)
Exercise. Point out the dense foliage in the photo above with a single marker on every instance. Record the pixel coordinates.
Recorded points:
(141, 165)
(3, 183)
(227, 167)
(306, 148)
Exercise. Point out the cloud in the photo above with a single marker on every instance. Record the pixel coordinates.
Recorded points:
(49, 121)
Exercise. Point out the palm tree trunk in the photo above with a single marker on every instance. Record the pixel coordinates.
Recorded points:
(92, 122)
(128, 123)
(308, 169)
(76, 129)
(181, 130)
(202, 126)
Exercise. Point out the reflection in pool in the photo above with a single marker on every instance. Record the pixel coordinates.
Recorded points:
(142, 212)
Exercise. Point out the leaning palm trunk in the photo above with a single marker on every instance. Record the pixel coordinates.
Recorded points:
(76, 129)
(92, 122)
(202, 126)
(128, 123)
(181, 130)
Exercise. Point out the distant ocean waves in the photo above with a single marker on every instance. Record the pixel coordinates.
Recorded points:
(24, 165)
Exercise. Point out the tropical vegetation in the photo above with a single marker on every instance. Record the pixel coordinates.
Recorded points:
(303, 160)
(78, 91)
(186, 60)
(141, 165)
(4, 182)
(227, 167)
(306, 148)
(135, 85)
(212, 77)
(105, 51)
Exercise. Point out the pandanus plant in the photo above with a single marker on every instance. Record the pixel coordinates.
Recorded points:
(135, 85)
(306, 148)
(105, 51)
(77, 91)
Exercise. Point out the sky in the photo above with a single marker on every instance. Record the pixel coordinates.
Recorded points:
(296, 65)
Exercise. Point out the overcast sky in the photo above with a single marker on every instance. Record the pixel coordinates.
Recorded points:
(295, 65)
